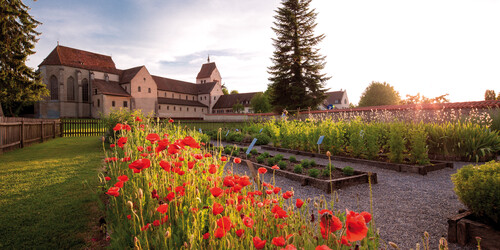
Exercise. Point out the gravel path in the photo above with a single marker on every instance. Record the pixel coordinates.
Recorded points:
(405, 205)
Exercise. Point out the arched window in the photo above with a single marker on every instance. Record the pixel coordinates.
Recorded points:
(71, 89)
(85, 90)
(54, 88)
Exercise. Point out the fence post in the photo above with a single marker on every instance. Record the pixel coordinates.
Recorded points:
(41, 130)
(22, 133)
(61, 128)
(54, 135)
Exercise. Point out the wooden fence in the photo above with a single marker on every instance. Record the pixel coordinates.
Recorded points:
(16, 132)
(83, 127)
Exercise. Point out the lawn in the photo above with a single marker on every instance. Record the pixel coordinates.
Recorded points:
(48, 194)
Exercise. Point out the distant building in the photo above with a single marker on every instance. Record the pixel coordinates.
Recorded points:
(335, 100)
(85, 84)
(226, 103)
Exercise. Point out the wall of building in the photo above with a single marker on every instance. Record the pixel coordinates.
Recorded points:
(120, 102)
(175, 95)
(180, 111)
(145, 99)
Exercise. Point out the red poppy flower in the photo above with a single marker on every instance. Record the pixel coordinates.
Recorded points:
(164, 219)
(269, 191)
(219, 233)
(225, 223)
(289, 247)
(165, 165)
(323, 247)
(278, 241)
(258, 243)
(117, 127)
(139, 165)
(228, 181)
(123, 178)
(240, 232)
(121, 142)
(287, 195)
(206, 236)
(163, 208)
(355, 226)
(127, 127)
(217, 208)
(244, 181)
(329, 223)
(190, 141)
(144, 228)
(275, 167)
(170, 196)
(198, 156)
(129, 217)
(156, 223)
(173, 149)
(113, 191)
(262, 170)
(119, 184)
(212, 169)
(149, 148)
(248, 222)
(223, 158)
(299, 203)
(344, 241)
(153, 138)
(276, 190)
(216, 192)
(367, 216)
(171, 120)
(237, 160)
(138, 119)
(107, 178)
(208, 155)
(112, 145)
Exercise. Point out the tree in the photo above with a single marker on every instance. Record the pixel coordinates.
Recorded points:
(224, 90)
(234, 91)
(417, 99)
(489, 95)
(260, 103)
(379, 94)
(296, 81)
(238, 107)
(20, 85)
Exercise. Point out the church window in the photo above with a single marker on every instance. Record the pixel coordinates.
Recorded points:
(98, 102)
(54, 88)
(149, 90)
(139, 89)
(125, 104)
(113, 103)
(85, 90)
(71, 89)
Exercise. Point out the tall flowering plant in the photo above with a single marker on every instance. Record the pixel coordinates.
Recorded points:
(168, 190)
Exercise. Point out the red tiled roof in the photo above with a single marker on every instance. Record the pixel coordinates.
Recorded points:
(128, 74)
(109, 88)
(434, 106)
(76, 58)
(332, 96)
(173, 101)
(177, 86)
(206, 70)
(227, 101)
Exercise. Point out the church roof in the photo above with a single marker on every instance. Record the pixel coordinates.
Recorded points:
(66, 56)
(177, 86)
(109, 88)
(206, 70)
(173, 101)
(227, 101)
(128, 74)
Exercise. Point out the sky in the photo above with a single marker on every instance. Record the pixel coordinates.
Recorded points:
(432, 47)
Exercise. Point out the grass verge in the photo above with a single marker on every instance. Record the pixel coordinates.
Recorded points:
(47, 196)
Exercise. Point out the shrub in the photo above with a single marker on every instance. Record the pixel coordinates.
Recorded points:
(237, 137)
(298, 169)
(325, 172)
(348, 171)
(292, 159)
(123, 116)
(314, 172)
(418, 152)
(262, 139)
(270, 161)
(228, 150)
(253, 151)
(244, 149)
(261, 159)
(312, 163)
(305, 163)
(396, 143)
(478, 187)
(278, 157)
(265, 154)
(282, 164)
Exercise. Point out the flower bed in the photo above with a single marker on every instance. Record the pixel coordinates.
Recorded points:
(418, 169)
(466, 229)
(167, 192)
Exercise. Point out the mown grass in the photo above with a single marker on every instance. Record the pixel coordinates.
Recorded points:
(47, 194)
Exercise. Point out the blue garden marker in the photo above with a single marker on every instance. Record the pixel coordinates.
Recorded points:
(251, 145)
(200, 130)
(260, 131)
(227, 133)
(320, 139)
(237, 130)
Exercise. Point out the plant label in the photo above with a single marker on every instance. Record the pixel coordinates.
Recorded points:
(227, 133)
(320, 139)
(200, 130)
(251, 146)
(260, 131)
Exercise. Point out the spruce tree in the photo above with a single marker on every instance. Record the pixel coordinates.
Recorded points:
(296, 80)
(20, 85)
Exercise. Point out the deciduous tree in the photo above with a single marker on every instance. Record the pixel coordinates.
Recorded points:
(377, 94)
(260, 103)
(489, 94)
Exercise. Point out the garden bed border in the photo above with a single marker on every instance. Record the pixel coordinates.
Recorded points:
(462, 229)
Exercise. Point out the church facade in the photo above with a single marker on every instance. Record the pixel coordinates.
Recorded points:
(83, 84)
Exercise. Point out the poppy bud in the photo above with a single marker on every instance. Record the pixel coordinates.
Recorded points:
(167, 233)
(103, 139)
(140, 194)
(308, 200)
(328, 154)
(394, 245)
(130, 204)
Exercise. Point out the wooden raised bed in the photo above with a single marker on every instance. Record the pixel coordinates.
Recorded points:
(418, 169)
(463, 229)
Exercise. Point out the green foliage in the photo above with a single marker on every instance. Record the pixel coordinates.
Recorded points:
(123, 116)
(271, 161)
(234, 91)
(244, 149)
(296, 80)
(235, 136)
(228, 150)
(371, 137)
(489, 95)
(478, 187)
(418, 152)
(238, 107)
(265, 154)
(312, 163)
(253, 151)
(325, 172)
(278, 157)
(377, 94)
(262, 139)
(314, 172)
(305, 163)
(260, 159)
(260, 103)
(356, 140)
(298, 169)
(20, 85)
(348, 171)
(396, 143)
(282, 164)
(292, 159)
(495, 119)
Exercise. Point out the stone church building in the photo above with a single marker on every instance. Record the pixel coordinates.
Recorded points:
(84, 84)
